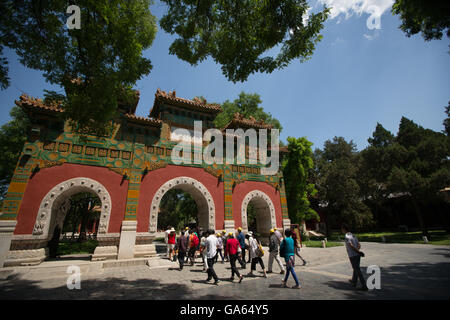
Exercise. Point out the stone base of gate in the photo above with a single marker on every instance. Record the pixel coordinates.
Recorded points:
(286, 224)
(111, 252)
(229, 226)
(104, 253)
(144, 250)
(26, 257)
(6, 233)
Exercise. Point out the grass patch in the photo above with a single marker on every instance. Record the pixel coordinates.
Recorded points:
(318, 244)
(68, 247)
(438, 237)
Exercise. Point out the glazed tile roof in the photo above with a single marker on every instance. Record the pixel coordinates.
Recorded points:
(239, 121)
(27, 102)
(143, 120)
(172, 99)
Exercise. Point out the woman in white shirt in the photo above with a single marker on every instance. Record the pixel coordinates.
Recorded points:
(255, 254)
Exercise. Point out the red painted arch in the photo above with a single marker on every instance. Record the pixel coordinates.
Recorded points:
(242, 189)
(155, 179)
(44, 180)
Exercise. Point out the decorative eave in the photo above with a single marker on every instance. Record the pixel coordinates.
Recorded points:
(143, 120)
(239, 121)
(29, 103)
(171, 99)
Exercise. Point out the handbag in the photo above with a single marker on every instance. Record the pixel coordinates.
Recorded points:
(260, 251)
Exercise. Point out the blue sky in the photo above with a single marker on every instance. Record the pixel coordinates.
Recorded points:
(355, 78)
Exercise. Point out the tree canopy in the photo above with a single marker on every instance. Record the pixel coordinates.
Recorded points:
(238, 35)
(296, 172)
(13, 135)
(248, 105)
(96, 65)
(336, 179)
(431, 18)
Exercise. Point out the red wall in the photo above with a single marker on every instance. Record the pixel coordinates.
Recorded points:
(241, 190)
(155, 179)
(43, 181)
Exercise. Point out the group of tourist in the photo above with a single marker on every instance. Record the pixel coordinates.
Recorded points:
(232, 247)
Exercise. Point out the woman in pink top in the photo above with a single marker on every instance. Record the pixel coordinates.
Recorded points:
(171, 242)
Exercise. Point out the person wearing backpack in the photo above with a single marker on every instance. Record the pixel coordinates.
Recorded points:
(287, 248)
(256, 254)
(193, 243)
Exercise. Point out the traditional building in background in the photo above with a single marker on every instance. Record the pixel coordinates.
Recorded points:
(129, 170)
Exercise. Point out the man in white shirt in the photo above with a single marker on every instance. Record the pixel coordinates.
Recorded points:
(211, 252)
(353, 250)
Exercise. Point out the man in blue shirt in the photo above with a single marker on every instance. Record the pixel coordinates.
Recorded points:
(241, 238)
(287, 251)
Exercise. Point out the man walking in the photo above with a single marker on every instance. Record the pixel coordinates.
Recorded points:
(182, 248)
(296, 244)
(274, 245)
(232, 250)
(241, 239)
(353, 250)
(211, 252)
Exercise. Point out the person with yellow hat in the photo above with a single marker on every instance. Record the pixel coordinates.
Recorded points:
(274, 246)
(232, 249)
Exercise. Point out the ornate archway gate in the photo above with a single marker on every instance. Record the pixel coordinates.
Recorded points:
(130, 170)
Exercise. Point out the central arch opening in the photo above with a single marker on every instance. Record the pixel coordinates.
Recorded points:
(258, 214)
(258, 217)
(177, 209)
(197, 205)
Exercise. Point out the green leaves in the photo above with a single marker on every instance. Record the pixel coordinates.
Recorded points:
(431, 18)
(337, 177)
(237, 34)
(248, 105)
(13, 135)
(93, 64)
(296, 172)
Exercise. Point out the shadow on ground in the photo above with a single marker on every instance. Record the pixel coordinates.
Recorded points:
(404, 281)
(108, 288)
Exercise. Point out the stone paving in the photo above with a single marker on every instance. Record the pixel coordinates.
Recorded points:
(407, 272)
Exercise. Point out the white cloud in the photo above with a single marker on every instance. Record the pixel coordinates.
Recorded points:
(375, 8)
(375, 35)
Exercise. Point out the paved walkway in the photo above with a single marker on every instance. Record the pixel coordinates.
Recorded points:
(407, 272)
